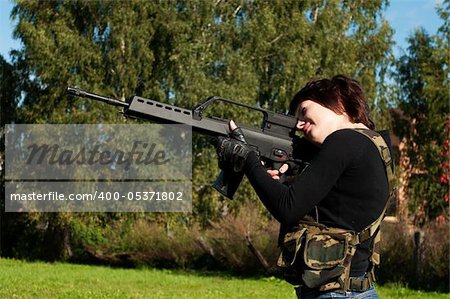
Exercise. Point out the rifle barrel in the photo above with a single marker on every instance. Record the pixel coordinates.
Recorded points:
(85, 94)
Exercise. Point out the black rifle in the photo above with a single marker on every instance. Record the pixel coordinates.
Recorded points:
(274, 141)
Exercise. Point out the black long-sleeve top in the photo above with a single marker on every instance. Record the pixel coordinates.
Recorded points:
(346, 180)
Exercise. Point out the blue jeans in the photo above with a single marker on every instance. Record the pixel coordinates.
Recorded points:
(307, 293)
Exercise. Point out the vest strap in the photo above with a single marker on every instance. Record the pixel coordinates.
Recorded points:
(385, 155)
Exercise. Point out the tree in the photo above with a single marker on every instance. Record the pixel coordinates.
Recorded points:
(422, 74)
(9, 97)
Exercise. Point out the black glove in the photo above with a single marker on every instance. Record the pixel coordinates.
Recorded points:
(233, 151)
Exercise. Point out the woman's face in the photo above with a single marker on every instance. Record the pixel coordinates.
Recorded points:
(317, 121)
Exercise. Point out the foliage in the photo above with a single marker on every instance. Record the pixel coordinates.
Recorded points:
(9, 96)
(423, 78)
(138, 242)
(435, 257)
(9, 92)
(231, 237)
(422, 254)
(397, 251)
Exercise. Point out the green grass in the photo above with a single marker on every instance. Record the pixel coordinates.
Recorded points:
(19, 279)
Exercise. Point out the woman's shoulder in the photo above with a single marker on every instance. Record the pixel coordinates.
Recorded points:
(348, 135)
(348, 140)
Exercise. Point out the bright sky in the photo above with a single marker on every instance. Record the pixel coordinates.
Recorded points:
(404, 16)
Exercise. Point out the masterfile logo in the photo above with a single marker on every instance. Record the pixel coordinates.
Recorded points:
(65, 152)
(98, 168)
(141, 153)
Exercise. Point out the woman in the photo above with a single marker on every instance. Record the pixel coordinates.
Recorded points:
(345, 185)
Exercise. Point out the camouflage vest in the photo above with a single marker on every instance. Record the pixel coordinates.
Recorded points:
(320, 257)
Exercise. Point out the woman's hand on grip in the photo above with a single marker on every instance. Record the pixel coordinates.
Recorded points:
(276, 173)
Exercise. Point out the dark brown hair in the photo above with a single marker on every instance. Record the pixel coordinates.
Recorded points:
(340, 94)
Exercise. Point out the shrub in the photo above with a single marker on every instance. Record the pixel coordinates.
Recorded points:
(415, 257)
(397, 254)
(148, 243)
(434, 257)
(235, 239)
(224, 245)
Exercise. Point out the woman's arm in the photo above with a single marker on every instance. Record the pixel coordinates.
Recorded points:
(289, 204)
